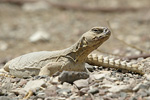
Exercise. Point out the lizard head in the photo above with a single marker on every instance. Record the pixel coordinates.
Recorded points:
(95, 36)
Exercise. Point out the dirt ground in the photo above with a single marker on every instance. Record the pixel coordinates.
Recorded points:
(19, 22)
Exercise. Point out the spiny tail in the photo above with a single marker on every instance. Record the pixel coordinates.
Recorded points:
(99, 60)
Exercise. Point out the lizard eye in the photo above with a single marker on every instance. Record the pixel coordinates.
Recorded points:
(97, 30)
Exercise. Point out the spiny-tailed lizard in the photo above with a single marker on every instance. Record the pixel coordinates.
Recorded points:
(70, 59)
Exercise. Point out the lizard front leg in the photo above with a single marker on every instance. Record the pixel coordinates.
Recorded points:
(51, 68)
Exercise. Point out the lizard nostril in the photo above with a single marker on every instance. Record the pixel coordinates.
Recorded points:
(105, 30)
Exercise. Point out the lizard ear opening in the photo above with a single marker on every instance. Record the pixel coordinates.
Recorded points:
(83, 43)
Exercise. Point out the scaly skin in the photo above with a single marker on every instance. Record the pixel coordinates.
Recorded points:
(49, 62)
(99, 60)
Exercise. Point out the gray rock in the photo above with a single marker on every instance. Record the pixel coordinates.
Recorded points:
(133, 98)
(89, 67)
(51, 91)
(99, 76)
(32, 85)
(143, 93)
(65, 92)
(55, 80)
(40, 94)
(22, 82)
(6, 98)
(71, 76)
(19, 91)
(107, 86)
(147, 77)
(83, 91)
(123, 95)
(145, 85)
(146, 98)
(82, 83)
(120, 88)
(67, 85)
(93, 91)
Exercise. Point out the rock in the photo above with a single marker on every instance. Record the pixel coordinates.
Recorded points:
(120, 88)
(39, 36)
(51, 91)
(71, 76)
(93, 91)
(64, 92)
(106, 86)
(33, 85)
(144, 85)
(123, 95)
(99, 76)
(82, 83)
(3, 46)
(143, 92)
(89, 67)
(83, 91)
(22, 82)
(66, 85)
(55, 80)
(19, 91)
(40, 94)
(133, 98)
(147, 77)
(6, 98)
(40, 5)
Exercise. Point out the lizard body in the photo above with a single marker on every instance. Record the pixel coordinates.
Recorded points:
(70, 59)
(49, 62)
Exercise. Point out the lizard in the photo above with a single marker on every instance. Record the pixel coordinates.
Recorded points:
(69, 59)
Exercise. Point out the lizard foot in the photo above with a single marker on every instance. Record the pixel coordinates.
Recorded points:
(7, 75)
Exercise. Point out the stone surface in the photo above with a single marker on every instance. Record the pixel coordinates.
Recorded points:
(99, 76)
(31, 85)
(120, 88)
(7, 98)
(71, 76)
(82, 83)
(93, 91)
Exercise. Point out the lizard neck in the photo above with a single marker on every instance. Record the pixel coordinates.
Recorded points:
(79, 51)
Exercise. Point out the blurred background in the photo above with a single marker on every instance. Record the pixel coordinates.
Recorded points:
(37, 25)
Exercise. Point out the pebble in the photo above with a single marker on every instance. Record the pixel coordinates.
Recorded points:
(55, 80)
(50, 91)
(32, 85)
(71, 76)
(83, 91)
(145, 85)
(123, 95)
(99, 76)
(65, 92)
(119, 88)
(40, 5)
(3, 46)
(147, 77)
(39, 36)
(89, 67)
(93, 91)
(82, 83)
(6, 98)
